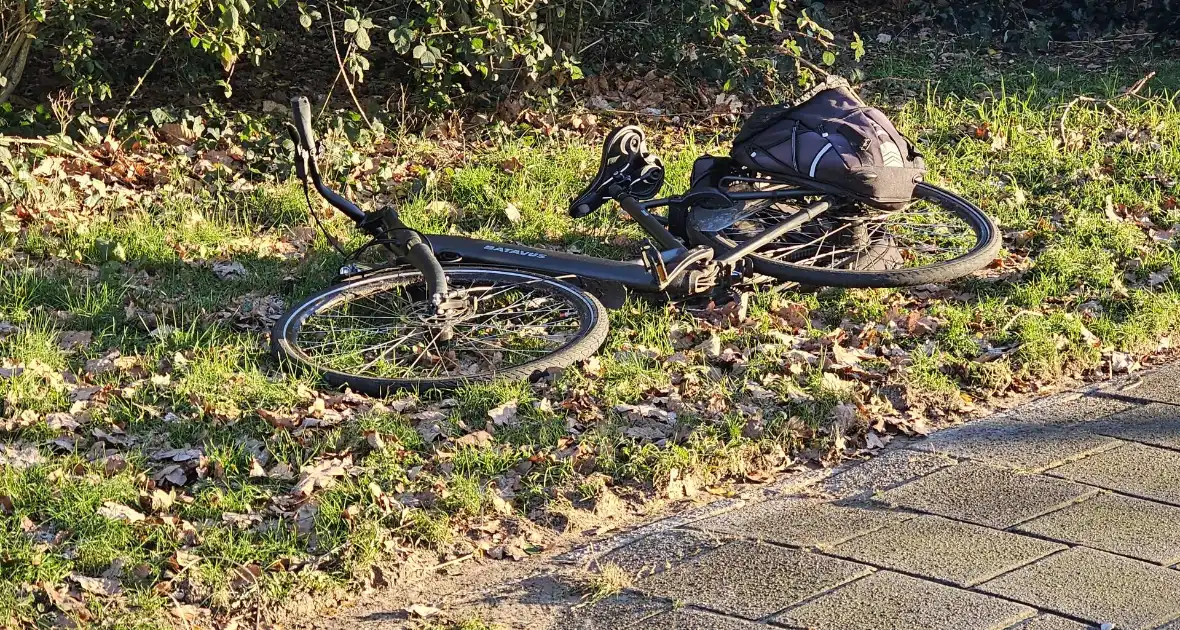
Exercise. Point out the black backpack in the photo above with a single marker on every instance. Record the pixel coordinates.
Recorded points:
(830, 140)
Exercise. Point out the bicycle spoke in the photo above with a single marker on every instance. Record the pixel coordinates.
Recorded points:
(858, 237)
(387, 333)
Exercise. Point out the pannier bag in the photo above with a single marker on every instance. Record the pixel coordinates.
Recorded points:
(830, 140)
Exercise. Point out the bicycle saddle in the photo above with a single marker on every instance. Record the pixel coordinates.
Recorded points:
(627, 163)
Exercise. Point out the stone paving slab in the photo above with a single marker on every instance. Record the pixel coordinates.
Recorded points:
(1071, 407)
(937, 548)
(892, 600)
(891, 468)
(1051, 622)
(1159, 385)
(1096, 586)
(589, 553)
(1118, 524)
(751, 580)
(1143, 471)
(615, 613)
(661, 551)
(983, 495)
(697, 620)
(1031, 446)
(1157, 424)
(799, 522)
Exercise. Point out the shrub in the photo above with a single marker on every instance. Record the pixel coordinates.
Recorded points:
(443, 49)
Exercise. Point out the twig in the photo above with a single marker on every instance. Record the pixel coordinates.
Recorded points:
(1131, 91)
(52, 145)
(143, 77)
(344, 73)
(1139, 85)
(451, 562)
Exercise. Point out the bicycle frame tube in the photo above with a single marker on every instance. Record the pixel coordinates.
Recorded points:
(791, 223)
(632, 274)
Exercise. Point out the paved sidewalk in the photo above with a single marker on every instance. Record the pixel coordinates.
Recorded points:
(1056, 516)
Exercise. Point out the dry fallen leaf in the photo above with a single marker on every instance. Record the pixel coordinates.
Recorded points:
(119, 512)
(19, 456)
(105, 587)
(512, 213)
(71, 340)
(478, 438)
(320, 475)
(504, 415)
(281, 471)
(422, 611)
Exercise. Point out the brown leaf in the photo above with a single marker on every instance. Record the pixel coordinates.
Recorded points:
(61, 421)
(173, 474)
(19, 456)
(179, 455)
(478, 438)
(104, 587)
(187, 612)
(71, 340)
(322, 474)
(511, 165)
(119, 512)
(376, 442)
(593, 367)
(114, 464)
(504, 415)
(177, 134)
(429, 415)
(182, 559)
(422, 611)
(82, 394)
(157, 500)
(279, 419)
(256, 469)
(281, 471)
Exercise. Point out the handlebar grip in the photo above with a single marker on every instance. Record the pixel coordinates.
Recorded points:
(301, 113)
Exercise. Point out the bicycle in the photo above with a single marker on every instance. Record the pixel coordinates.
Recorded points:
(452, 310)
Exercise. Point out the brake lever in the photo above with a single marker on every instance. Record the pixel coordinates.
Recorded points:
(301, 170)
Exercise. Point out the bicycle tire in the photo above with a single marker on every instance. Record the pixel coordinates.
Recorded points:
(591, 334)
(988, 243)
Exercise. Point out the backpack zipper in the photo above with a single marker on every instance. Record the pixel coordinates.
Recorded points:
(795, 147)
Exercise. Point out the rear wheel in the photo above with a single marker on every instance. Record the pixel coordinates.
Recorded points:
(936, 238)
(377, 334)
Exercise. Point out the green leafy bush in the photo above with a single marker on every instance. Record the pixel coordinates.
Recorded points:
(488, 47)
(441, 49)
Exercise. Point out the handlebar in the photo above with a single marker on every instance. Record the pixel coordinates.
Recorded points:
(301, 114)
(305, 165)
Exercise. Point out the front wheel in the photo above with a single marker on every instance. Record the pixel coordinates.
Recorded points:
(379, 334)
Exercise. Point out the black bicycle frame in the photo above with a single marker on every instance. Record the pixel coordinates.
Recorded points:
(674, 267)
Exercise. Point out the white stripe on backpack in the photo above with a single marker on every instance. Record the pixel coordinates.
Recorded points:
(815, 162)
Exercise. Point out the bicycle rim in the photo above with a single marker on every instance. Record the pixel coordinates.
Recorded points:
(376, 334)
(937, 238)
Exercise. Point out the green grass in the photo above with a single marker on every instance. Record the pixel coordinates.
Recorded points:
(180, 355)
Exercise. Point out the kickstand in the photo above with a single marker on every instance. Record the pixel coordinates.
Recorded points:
(654, 262)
